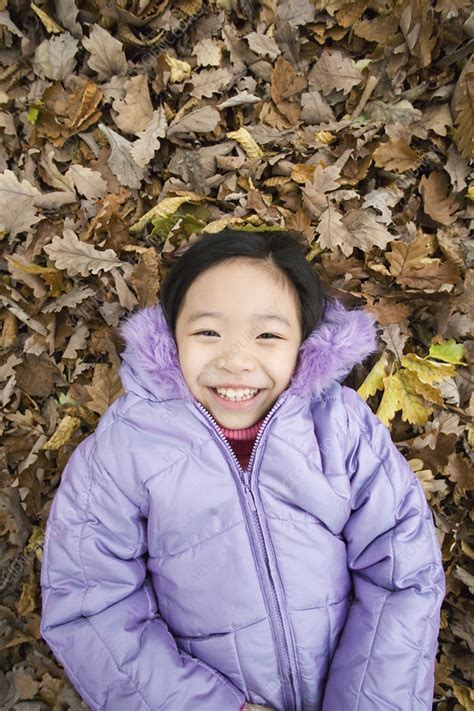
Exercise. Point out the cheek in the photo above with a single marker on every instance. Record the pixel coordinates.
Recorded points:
(285, 364)
(193, 361)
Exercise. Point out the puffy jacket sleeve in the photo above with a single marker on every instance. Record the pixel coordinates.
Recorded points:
(385, 655)
(99, 609)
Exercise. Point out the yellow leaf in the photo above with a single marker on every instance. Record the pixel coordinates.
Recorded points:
(31, 268)
(324, 137)
(374, 380)
(63, 432)
(450, 352)
(465, 696)
(165, 208)
(179, 70)
(470, 434)
(399, 394)
(391, 399)
(379, 268)
(276, 180)
(26, 604)
(248, 143)
(428, 371)
(48, 22)
(427, 391)
(301, 173)
(222, 222)
(36, 539)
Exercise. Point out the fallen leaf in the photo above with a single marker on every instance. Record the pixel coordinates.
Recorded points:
(333, 233)
(263, 45)
(148, 141)
(396, 154)
(201, 120)
(209, 81)
(366, 231)
(106, 53)
(248, 143)
(17, 199)
(77, 257)
(436, 202)
(134, 112)
(207, 53)
(333, 70)
(121, 162)
(315, 109)
(88, 182)
(55, 58)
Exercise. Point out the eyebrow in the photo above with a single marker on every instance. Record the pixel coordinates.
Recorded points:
(219, 314)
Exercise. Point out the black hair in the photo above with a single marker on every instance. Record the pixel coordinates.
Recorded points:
(279, 253)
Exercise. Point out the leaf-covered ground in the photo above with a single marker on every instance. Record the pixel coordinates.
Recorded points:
(127, 129)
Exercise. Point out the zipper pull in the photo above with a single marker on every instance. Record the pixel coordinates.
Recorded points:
(250, 499)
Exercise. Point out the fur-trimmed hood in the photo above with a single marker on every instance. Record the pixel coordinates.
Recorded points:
(150, 363)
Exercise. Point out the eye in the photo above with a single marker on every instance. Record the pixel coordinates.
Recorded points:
(202, 333)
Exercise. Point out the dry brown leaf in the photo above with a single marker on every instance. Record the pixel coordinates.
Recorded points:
(17, 200)
(436, 201)
(208, 53)
(334, 70)
(417, 25)
(121, 161)
(396, 154)
(106, 387)
(366, 231)
(209, 81)
(332, 231)
(135, 111)
(464, 110)
(201, 120)
(88, 182)
(107, 57)
(77, 257)
(286, 83)
(55, 58)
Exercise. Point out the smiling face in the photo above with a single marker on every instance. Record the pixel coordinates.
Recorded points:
(252, 341)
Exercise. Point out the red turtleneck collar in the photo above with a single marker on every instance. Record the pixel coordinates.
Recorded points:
(242, 440)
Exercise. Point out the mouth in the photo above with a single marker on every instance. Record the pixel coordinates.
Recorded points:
(228, 404)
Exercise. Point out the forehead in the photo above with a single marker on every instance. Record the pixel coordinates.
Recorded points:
(240, 289)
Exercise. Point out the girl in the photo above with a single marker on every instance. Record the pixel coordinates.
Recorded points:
(240, 530)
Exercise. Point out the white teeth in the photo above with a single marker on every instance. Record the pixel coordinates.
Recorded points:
(236, 394)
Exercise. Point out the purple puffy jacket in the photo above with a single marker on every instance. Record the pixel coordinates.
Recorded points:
(174, 581)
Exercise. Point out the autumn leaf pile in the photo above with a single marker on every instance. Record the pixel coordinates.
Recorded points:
(127, 129)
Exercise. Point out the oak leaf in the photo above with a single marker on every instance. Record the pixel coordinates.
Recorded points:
(77, 257)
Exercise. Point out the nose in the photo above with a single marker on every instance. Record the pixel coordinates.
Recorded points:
(232, 365)
(235, 359)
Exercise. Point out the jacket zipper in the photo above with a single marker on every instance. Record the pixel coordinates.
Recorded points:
(251, 503)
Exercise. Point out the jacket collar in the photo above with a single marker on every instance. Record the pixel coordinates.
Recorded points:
(150, 364)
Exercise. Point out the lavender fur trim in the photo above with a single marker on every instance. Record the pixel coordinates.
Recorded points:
(342, 339)
(151, 351)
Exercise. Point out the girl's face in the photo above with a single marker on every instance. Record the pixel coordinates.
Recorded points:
(252, 342)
